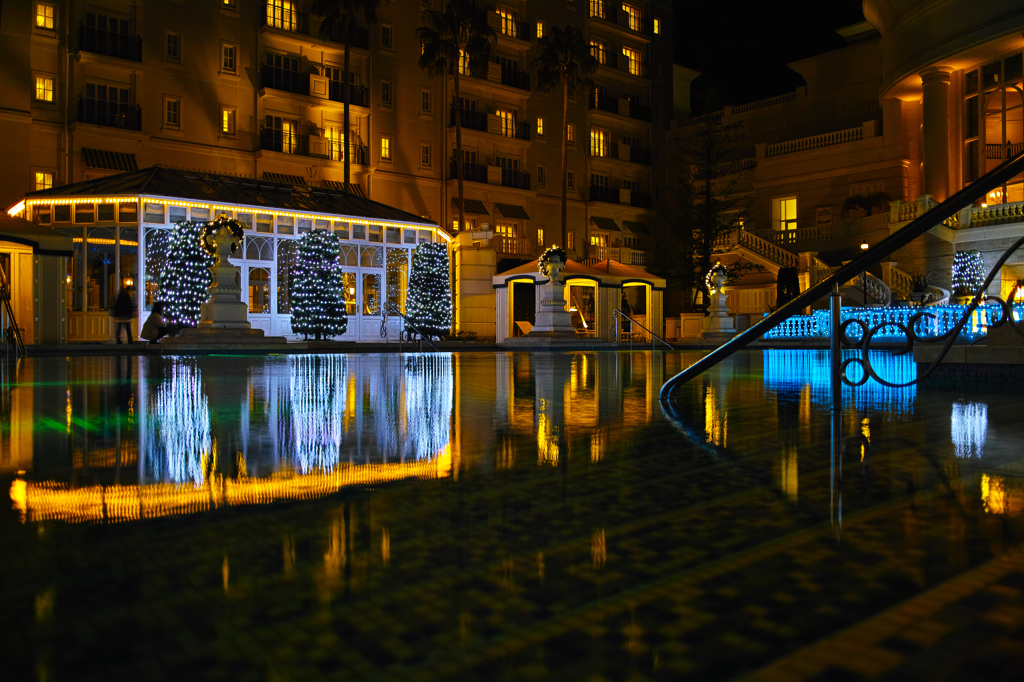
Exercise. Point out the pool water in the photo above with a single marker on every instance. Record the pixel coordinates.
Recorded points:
(505, 517)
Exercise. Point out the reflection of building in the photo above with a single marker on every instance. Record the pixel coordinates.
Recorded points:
(32, 266)
(926, 96)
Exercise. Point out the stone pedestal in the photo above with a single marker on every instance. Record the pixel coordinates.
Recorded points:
(721, 326)
(552, 319)
(224, 319)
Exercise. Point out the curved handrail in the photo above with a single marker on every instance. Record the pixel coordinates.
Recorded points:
(882, 250)
(653, 335)
(392, 307)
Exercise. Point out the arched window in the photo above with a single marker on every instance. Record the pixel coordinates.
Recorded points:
(259, 248)
(259, 290)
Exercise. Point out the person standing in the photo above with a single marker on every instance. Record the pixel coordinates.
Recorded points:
(124, 311)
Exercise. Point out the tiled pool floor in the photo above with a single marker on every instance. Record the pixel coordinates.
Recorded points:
(549, 522)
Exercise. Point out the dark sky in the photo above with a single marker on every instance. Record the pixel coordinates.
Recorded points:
(742, 47)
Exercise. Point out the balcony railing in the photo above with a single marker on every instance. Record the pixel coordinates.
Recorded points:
(358, 95)
(515, 178)
(623, 152)
(610, 12)
(616, 105)
(607, 194)
(612, 195)
(471, 172)
(478, 172)
(289, 81)
(1003, 151)
(103, 113)
(285, 142)
(514, 29)
(285, 19)
(110, 44)
(515, 78)
(474, 120)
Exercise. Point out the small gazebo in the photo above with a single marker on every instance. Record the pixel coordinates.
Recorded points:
(592, 293)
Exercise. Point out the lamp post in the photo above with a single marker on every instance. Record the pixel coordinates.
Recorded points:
(864, 278)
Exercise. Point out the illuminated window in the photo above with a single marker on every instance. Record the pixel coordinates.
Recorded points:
(463, 63)
(385, 147)
(599, 240)
(45, 14)
(509, 22)
(508, 122)
(229, 3)
(259, 290)
(540, 236)
(598, 9)
(385, 93)
(570, 180)
(426, 106)
(280, 134)
(570, 240)
(657, 26)
(227, 120)
(228, 58)
(425, 155)
(335, 144)
(784, 213)
(599, 142)
(44, 180)
(540, 29)
(633, 63)
(173, 47)
(386, 37)
(570, 133)
(282, 14)
(599, 51)
(632, 16)
(44, 89)
(540, 126)
(172, 112)
(507, 229)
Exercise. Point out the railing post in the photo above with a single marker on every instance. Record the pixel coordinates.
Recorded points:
(835, 352)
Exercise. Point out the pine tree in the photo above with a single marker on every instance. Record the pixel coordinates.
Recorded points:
(430, 297)
(318, 304)
(186, 277)
(968, 272)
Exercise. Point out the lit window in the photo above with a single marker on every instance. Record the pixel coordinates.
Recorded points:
(570, 133)
(229, 3)
(657, 26)
(44, 89)
(425, 155)
(385, 93)
(540, 126)
(570, 180)
(173, 51)
(385, 37)
(632, 16)
(784, 213)
(385, 148)
(227, 121)
(570, 240)
(44, 15)
(44, 180)
(282, 14)
(509, 22)
(597, 9)
(508, 122)
(228, 58)
(540, 29)
(172, 113)
(540, 236)
(633, 63)
(599, 51)
(425, 103)
(599, 142)
(599, 240)
(463, 63)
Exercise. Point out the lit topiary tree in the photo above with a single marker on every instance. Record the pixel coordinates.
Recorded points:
(968, 272)
(318, 304)
(185, 280)
(430, 298)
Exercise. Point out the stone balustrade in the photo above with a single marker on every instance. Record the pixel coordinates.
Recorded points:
(815, 141)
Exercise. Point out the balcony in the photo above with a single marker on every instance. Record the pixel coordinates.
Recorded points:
(314, 146)
(288, 81)
(471, 172)
(490, 175)
(109, 114)
(110, 44)
(513, 78)
(514, 178)
(623, 197)
(622, 152)
(621, 106)
(490, 123)
(358, 95)
(611, 12)
(508, 27)
(289, 20)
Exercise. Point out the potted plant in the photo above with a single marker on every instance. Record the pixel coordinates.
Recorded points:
(919, 289)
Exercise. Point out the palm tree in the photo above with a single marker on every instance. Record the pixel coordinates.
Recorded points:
(564, 59)
(455, 42)
(344, 16)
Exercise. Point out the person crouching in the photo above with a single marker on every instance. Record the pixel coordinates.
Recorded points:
(156, 326)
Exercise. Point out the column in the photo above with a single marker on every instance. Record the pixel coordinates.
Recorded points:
(935, 106)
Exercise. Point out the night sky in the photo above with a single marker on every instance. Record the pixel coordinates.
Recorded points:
(742, 48)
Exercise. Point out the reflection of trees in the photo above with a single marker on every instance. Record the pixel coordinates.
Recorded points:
(180, 430)
(412, 405)
(313, 426)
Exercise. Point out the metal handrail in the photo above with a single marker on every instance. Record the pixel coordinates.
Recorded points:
(653, 335)
(885, 248)
(10, 324)
(383, 328)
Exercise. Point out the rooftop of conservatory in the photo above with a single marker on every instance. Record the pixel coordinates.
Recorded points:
(215, 189)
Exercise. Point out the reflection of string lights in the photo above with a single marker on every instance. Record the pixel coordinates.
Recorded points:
(318, 400)
(181, 428)
(969, 427)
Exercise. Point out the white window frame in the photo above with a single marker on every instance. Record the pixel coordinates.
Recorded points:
(387, 86)
(224, 46)
(167, 125)
(52, 17)
(427, 98)
(387, 143)
(426, 150)
(228, 113)
(389, 31)
(779, 222)
(53, 88)
(168, 57)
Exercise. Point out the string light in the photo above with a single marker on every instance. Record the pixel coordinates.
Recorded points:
(430, 298)
(186, 278)
(318, 302)
(968, 272)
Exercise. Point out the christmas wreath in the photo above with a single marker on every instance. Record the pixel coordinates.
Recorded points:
(550, 254)
(716, 269)
(212, 226)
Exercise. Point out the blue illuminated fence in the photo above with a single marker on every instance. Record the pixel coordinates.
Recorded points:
(818, 325)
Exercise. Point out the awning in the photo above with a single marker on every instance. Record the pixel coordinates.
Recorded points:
(287, 179)
(353, 187)
(605, 224)
(635, 227)
(474, 206)
(512, 211)
(115, 161)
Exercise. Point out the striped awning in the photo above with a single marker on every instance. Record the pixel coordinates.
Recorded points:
(605, 224)
(474, 206)
(287, 179)
(635, 227)
(353, 187)
(104, 160)
(512, 211)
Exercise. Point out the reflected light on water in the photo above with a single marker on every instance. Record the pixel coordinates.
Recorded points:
(968, 428)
